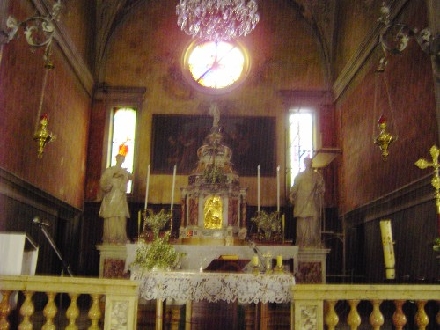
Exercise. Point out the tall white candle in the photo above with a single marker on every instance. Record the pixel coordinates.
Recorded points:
(388, 250)
(172, 186)
(278, 188)
(147, 188)
(258, 187)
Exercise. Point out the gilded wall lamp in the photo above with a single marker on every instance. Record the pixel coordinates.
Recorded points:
(384, 137)
(39, 31)
(423, 163)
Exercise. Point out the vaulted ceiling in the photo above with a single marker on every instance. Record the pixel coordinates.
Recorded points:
(319, 15)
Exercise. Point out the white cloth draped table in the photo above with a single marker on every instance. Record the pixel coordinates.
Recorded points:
(245, 288)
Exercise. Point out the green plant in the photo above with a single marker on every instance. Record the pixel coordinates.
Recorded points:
(267, 222)
(158, 254)
(157, 221)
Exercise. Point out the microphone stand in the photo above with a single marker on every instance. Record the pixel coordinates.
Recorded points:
(57, 252)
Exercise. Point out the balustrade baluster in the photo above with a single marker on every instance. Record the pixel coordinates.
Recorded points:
(49, 311)
(421, 317)
(331, 318)
(399, 317)
(26, 310)
(353, 319)
(72, 312)
(376, 316)
(437, 316)
(94, 312)
(5, 309)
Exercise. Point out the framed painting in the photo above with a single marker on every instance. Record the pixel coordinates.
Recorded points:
(176, 138)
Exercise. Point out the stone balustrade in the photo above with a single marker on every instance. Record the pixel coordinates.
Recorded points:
(325, 306)
(119, 296)
(113, 304)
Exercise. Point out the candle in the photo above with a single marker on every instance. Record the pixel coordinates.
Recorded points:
(279, 261)
(147, 187)
(139, 223)
(258, 187)
(172, 187)
(388, 251)
(278, 188)
(255, 260)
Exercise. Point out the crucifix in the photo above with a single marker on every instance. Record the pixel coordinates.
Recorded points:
(423, 163)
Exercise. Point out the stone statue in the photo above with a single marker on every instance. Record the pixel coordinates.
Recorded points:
(307, 195)
(114, 206)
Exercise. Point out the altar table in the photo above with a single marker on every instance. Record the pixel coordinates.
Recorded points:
(189, 286)
(198, 256)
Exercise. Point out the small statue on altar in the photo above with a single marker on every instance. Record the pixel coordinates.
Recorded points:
(307, 195)
(114, 206)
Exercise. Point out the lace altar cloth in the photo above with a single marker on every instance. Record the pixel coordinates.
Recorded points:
(212, 287)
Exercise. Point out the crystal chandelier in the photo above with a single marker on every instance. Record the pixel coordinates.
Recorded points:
(217, 19)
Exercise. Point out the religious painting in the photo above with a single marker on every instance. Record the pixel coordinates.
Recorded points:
(176, 138)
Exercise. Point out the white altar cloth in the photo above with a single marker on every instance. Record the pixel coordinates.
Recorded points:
(245, 288)
(198, 256)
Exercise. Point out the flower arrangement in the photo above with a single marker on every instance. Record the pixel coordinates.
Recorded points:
(156, 221)
(158, 254)
(267, 222)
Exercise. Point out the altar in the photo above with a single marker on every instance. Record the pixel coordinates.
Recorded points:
(308, 264)
(188, 287)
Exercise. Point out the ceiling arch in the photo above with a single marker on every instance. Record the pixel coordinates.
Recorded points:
(319, 14)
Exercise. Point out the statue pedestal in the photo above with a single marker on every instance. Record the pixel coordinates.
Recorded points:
(312, 265)
(112, 261)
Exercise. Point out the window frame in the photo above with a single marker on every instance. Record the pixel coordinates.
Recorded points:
(120, 97)
(315, 139)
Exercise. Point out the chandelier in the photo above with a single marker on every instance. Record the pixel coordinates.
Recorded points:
(217, 19)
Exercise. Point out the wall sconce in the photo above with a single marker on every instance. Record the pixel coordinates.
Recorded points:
(42, 135)
(39, 31)
(394, 38)
(384, 139)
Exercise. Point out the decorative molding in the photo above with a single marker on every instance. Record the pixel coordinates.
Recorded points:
(23, 192)
(406, 197)
(133, 95)
(298, 98)
(69, 50)
(363, 52)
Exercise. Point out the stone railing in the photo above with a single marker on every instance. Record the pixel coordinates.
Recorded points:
(120, 298)
(325, 306)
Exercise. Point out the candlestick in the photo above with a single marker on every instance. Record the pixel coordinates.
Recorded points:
(139, 223)
(172, 187)
(147, 188)
(280, 261)
(283, 223)
(255, 260)
(258, 187)
(278, 188)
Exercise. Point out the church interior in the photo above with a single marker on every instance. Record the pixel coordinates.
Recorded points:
(367, 71)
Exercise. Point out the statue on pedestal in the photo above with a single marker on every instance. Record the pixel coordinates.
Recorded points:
(307, 195)
(114, 206)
